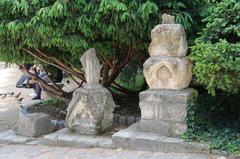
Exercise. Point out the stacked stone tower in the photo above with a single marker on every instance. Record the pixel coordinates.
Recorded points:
(168, 73)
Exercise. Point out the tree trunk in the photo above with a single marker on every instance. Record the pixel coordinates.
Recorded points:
(105, 72)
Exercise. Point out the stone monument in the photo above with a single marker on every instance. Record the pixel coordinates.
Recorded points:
(164, 105)
(91, 110)
(168, 73)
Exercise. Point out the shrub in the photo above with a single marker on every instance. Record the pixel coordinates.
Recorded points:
(216, 53)
(217, 65)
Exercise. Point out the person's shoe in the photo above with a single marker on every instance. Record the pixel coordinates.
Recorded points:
(28, 85)
(36, 98)
(21, 86)
(20, 99)
(18, 95)
(32, 95)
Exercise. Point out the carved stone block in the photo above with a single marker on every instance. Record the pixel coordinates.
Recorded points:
(168, 40)
(168, 73)
(90, 111)
(34, 125)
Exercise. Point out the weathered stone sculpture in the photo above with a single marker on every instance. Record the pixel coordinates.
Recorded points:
(168, 73)
(90, 111)
(168, 39)
(168, 67)
(92, 67)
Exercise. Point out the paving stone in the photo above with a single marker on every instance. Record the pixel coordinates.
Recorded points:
(21, 152)
(121, 138)
(65, 138)
(10, 137)
(44, 152)
(5, 133)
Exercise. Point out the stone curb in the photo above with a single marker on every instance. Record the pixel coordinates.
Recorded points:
(65, 138)
(62, 138)
(134, 139)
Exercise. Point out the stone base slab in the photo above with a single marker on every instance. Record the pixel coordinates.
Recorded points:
(134, 139)
(33, 125)
(67, 139)
(164, 111)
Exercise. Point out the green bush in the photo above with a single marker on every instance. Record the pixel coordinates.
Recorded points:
(217, 65)
(216, 53)
(215, 120)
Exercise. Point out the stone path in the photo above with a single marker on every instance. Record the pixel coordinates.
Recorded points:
(45, 152)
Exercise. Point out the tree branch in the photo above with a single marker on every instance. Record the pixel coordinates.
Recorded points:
(117, 68)
(106, 69)
(50, 79)
(123, 89)
(60, 94)
(49, 60)
(58, 62)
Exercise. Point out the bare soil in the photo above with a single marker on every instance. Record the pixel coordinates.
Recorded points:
(56, 112)
(125, 106)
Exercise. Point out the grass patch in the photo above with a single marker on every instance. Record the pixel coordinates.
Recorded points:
(52, 102)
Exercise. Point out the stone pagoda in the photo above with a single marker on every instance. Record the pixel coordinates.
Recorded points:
(168, 72)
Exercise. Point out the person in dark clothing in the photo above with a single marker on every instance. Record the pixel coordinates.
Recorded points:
(37, 88)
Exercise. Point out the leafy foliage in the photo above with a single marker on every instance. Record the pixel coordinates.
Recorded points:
(217, 65)
(222, 22)
(134, 83)
(66, 29)
(215, 120)
(57, 32)
(216, 54)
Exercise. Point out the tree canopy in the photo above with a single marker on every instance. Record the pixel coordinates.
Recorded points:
(57, 32)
